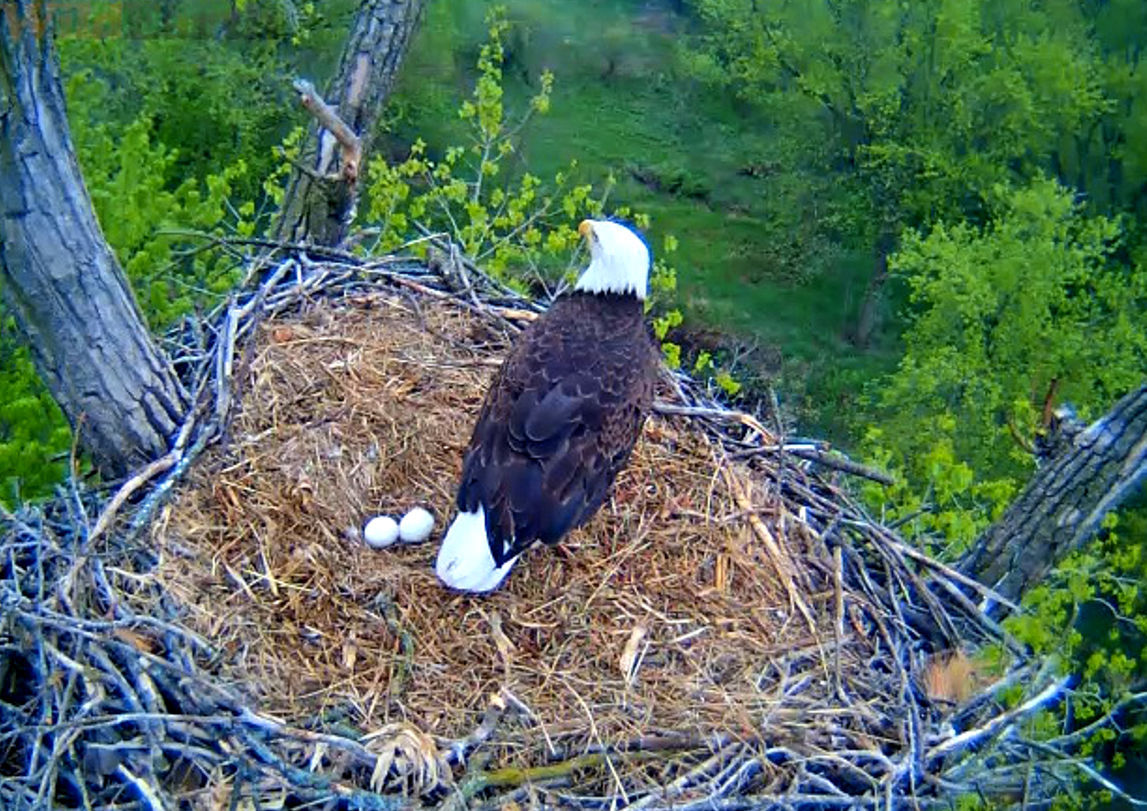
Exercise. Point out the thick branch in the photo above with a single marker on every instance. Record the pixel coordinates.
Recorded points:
(1062, 506)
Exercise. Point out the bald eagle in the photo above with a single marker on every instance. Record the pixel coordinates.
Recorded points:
(560, 418)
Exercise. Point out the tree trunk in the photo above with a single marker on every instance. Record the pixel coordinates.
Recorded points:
(319, 204)
(58, 275)
(868, 318)
(1086, 477)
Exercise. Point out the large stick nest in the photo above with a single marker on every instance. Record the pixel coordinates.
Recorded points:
(731, 630)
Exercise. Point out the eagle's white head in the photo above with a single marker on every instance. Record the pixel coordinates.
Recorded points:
(619, 259)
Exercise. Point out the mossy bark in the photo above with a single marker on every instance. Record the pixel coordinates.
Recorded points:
(59, 278)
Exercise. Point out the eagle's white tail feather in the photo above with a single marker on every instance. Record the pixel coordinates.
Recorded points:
(464, 561)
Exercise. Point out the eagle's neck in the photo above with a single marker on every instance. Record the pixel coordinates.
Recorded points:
(609, 275)
(605, 313)
(608, 301)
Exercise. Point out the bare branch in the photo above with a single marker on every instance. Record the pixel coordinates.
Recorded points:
(329, 120)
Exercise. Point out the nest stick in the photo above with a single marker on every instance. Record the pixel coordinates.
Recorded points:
(776, 556)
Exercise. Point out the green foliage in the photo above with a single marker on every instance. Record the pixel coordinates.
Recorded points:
(674, 178)
(210, 105)
(704, 368)
(1090, 617)
(935, 493)
(1005, 316)
(885, 116)
(34, 437)
(275, 21)
(1029, 306)
(139, 205)
(924, 107)
(514, 226)
(1005, 311)
(1102, 590)
(664, 323)
(727, 382)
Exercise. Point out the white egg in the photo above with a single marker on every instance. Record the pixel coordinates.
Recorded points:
(380, 532)
(416, 526)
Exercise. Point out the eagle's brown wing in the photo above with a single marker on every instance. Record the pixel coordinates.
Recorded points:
(559, 422)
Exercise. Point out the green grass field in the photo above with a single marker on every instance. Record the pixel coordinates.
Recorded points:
(622, 105)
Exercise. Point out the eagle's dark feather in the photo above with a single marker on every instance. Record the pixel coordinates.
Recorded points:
(560, 420)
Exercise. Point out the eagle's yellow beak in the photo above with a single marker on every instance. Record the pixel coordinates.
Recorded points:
(585, 228)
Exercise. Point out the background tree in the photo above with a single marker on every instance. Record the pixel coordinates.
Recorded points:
(1009, 319)
(322, 194)
(925, 107)
(59, 278)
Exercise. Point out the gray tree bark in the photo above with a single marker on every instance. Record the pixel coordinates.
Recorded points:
(320, 201)
(1089, 474)
(59, 277)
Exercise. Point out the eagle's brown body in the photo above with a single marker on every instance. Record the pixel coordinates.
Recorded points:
(560, 420)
